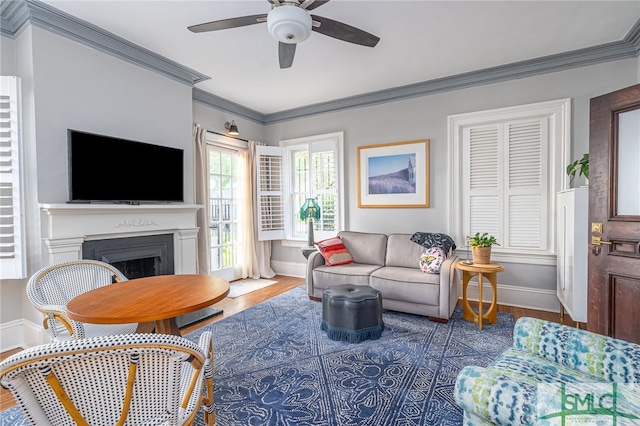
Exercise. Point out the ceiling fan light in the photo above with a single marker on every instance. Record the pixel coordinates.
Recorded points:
(289, 24)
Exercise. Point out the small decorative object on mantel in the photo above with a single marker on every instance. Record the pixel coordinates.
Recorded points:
(581, 167)
(481, 247)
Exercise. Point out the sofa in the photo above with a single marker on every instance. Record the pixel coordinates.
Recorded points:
(547, 361)
(391, 264)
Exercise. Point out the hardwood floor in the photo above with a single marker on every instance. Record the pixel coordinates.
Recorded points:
(284, 284)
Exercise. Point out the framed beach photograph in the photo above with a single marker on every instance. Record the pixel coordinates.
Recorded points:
(394, 175)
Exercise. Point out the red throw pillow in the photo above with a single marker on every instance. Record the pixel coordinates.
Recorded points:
(334, 252)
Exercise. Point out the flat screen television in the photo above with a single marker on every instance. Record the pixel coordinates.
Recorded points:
(107, 169)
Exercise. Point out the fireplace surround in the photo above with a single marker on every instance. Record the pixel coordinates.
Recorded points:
(66, 227)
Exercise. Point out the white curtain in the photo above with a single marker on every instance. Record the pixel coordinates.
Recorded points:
(202, 198)
(261, 249)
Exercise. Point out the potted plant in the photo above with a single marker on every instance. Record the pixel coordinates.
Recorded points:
(579, 167)
(481, 247)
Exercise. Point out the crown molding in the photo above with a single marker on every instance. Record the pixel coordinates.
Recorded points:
(633, 36)
(14, 14)
(41, 15)
(217, 102)
(578, 58)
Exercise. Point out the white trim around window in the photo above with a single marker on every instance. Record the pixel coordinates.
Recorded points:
(516, 143)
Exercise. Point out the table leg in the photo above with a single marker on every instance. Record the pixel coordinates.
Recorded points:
(168, 326)
(480, 282)
(146, 327)
(491, 314)
(467, 312)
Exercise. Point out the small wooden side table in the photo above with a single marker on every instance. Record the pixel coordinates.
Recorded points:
(490, 271)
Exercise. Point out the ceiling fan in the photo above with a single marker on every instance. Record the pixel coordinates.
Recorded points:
(290, 22)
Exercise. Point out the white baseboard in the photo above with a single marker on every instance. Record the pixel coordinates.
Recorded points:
(290, 269)
(521, 297)
(21, 334)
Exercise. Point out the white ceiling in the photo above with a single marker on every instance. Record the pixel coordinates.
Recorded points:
(420, 41)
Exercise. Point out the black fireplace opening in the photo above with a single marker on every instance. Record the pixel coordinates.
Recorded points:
(137, 268)
(135, 257)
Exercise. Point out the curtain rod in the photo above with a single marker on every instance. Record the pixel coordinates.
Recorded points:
(227, 136)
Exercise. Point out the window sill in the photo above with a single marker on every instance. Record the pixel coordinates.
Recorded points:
(294, 243)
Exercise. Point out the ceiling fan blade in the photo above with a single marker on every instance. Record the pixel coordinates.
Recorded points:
(344, 32)
(224, 24)
(286, 52)
(316, 4)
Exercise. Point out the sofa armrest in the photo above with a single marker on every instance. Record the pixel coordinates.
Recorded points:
(610, 359)
(314, 260)
(449, 279)
(495, 398)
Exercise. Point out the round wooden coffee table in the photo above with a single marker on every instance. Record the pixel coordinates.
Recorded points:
(152, 302)
(490, 271)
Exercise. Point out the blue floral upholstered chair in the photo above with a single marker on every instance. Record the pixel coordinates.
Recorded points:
(526, 383)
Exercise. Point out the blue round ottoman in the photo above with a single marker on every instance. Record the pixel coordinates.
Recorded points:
(352, 313)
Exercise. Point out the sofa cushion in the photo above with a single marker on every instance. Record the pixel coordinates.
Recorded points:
(397, 283)
(352, 273)
(432, 259)
(365, 248)
(403, 252)
(334, 251)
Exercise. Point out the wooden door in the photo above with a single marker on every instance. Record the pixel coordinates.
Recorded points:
(614, 202)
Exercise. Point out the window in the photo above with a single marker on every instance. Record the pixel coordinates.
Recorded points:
(12, 238)
(508, 165)
(309, 167)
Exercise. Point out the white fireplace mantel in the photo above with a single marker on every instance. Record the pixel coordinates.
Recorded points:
(66, 226)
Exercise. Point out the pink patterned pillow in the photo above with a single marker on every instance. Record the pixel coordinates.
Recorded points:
(334, 252)
(432, 259)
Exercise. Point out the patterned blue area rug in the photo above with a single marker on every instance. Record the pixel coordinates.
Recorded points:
(274, 366)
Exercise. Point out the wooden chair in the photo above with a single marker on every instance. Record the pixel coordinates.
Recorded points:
(129, 379)
(52, 287)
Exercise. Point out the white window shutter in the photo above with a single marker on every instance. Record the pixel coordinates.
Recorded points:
(271, 206)
(526, 183)
(12, 238)
(533, 148)
(483, 167)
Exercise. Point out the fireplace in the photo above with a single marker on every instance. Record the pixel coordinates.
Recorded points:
(67, 227)
(154, 232)
(135, 257)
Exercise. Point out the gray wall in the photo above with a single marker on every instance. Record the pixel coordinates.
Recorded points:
(84, 89)
(426, 117)
(68, 85)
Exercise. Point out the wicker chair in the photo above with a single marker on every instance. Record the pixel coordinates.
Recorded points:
(128, 379)
(52, 287)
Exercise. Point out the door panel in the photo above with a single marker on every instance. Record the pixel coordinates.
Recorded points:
(614, 215)
(625, 294)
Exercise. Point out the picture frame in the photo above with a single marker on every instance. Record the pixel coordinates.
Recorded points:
(394, 175)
